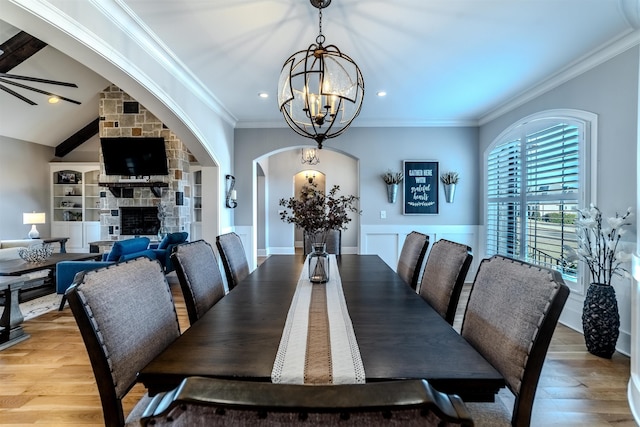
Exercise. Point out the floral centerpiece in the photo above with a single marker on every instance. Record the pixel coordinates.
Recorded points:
(598, 241)
(598, 244)
(316, 212)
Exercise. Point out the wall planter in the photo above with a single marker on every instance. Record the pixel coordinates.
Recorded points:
(449, 192)
(392, 192)
(392, 179)
(449, 181)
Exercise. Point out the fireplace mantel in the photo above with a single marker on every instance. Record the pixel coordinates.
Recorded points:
(116, 187)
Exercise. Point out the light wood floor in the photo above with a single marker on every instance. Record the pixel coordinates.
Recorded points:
(47, 380)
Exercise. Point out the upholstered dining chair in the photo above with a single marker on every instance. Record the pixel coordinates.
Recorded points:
(197, 269)
(126, 317)
(333, 243)
(411, 260)
(447, 266)
(511, 315)
(216, 402)
(234, 259)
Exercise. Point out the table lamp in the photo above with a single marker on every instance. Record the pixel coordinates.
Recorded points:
(33, 218)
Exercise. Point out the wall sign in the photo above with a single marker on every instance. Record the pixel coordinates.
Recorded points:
(421, 180)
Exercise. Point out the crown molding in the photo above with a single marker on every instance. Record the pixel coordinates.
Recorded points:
(578, 67)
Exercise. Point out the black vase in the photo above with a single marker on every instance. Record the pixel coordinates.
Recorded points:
(601, 320)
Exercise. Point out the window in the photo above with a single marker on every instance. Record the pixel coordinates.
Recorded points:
(535, 182)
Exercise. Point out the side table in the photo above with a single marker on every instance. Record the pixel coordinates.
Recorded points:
(12, 318)
(61, 240)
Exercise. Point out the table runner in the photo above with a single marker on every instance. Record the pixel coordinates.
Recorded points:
(318, 344)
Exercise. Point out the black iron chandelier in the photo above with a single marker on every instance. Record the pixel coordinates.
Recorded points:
(320, 90)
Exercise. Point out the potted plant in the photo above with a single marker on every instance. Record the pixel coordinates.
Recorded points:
(598, 241)
(392, 179)
(449, 179)
(316, 213)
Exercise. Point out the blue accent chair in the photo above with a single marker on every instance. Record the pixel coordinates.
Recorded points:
(124, 250)
(66, 272)
(163, 249)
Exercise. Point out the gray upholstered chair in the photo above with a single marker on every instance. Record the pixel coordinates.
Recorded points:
(233, 258)
(447, 266)
(215, 402)
(333, 242)
(126, 316)
(511, 315)
(197, 269)
(411, 260)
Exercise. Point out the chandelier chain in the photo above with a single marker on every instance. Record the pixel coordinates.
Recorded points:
(320, 38)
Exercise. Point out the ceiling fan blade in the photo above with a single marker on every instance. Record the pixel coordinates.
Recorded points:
(17, 95)
(39, 91)
(35, 79)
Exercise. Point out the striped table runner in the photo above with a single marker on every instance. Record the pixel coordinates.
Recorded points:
(318, 345)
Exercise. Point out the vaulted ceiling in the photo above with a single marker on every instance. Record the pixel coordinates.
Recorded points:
(441, 62)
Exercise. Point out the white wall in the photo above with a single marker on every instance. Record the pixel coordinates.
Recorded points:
(374, 150)
(24, 186)
(609, 90)
(339, 170)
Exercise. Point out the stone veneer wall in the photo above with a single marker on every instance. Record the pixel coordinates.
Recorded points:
(114, 122)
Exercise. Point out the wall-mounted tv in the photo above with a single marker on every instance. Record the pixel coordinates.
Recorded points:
(131, 156)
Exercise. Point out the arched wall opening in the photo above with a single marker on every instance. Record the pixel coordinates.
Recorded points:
(282, 177)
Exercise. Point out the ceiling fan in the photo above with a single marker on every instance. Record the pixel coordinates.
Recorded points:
(6, 79)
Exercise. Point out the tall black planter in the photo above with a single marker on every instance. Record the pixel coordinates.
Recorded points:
(601, 320)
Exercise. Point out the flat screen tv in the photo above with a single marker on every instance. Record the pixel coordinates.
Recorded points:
(131, 156)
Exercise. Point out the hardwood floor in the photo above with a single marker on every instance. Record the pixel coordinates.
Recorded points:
(47, 379)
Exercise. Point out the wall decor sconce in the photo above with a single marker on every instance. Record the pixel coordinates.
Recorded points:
(231, 192)
(310, 178)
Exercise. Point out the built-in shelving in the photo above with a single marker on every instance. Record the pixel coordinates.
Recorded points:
(75, 203)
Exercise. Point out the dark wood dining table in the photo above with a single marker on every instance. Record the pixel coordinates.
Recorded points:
(399, 334)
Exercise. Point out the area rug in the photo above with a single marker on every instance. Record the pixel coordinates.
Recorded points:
(38, 306)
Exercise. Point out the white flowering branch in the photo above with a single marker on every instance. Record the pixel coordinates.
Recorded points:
(598, 244)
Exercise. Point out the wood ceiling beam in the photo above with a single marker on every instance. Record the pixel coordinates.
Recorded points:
(78, 138)
(18, 49)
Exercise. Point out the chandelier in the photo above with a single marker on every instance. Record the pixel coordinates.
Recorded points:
(310, 157)
(320, 90)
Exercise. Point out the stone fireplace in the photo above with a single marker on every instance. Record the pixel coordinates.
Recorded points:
(122, 116)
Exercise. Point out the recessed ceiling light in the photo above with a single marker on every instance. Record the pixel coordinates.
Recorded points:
(263, 95)
(381, 93)
(54, 100)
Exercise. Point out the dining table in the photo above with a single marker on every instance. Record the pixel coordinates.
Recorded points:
(399, 335)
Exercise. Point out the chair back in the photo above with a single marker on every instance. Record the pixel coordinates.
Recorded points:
(126, 316)
(217, 402)
(447, 266)
(197, 269)
(233, 257)
(411, 258)
(511, 315)
(333, 242)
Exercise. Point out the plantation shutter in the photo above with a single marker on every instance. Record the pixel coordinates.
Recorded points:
(503, 191)
(533, 188)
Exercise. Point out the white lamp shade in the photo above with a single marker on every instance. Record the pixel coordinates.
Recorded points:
(33, 218)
